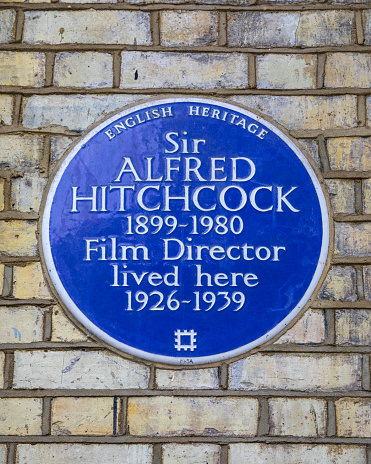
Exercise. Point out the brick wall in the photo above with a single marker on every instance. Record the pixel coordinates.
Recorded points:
(306, 397)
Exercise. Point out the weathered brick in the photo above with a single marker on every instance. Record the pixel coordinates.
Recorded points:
(306, 112)
(350, 153)
(58, 146)
(7, 20)
(353, 417)
(180, 28)
(367, 282)
(83, 416)
(88, 1)
(353, 327)
(55, 453)
(100, 26)
(311, 148)
(341, 195)
(286, 71)
(192, 379)
(2, 194)
(297, 372)
(366, 190)
(297, 417)
(77, 369)
(27, 192)
(63, 330)
(6, 110)
(256, 453)
(88, 69)
(26, 1)
(2, 361)
(20, 416)
(18, 238)
(340, 284)
(66, 110)
(29, 282)
(352, 239)
(3, 453)
(20, 151)
(22, 324)
(1, 278)
(167, 416)
(202, 453)
(366, 16)
(141, 70)
(308, 29)
(309, 329)
(348, 70)
(22, 68)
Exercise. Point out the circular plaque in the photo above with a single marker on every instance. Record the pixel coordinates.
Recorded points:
(185, 231)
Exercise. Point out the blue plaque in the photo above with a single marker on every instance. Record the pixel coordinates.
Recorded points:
(185, 230)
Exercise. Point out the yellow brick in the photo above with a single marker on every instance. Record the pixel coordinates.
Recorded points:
(352, 239)
(20, 151)
(173, 453)
(83, 416)
(353, 327)
(21, 324)
(18, 238)
(22, 68)
(297, 417)
(348, 70)
(6, 110)
(2, 360)
(309, 329)
(179, 28)
(353, 417)
(350, 153)
(366, 189)
(367, 282)
(2, 198)
(340, 284)
(2, 268)
(195, 378)
(341, 195)
(167, 416)
(28, 282)
(63, 330)
(20, 416)
(7, 20)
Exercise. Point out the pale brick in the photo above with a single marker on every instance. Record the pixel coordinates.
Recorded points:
(309, 329)
(22, 324)
(2, 362)
(27, 192)
(77, 369)
(348, 70)
(20, 416)
(297, 372)
(88, 1)
(18, 238)
(2, 268)
(191, 379)
(367, 26)
(305, 112)
(367, 282)
(308, 29)
(350, 153)
(6, 110)
(3, 454)
(89, 70)
(29, 282)
(105, 27)
(167, 416)
(141, 70)
(83, 454)
(7, 30)
(311, 148)
(75, 112)
(366, 190)
(2, 196)
(173, 453)
(256, 453)
(63, 330)
(353, 417)
(58, 146)
(286, 71)
(342, 195)
(83, 416)
(340, 284)
(353, 327)
(22, 68)
(352, 239)
(20, 151)
(297, 417)
(26, 1)
(180, 28)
